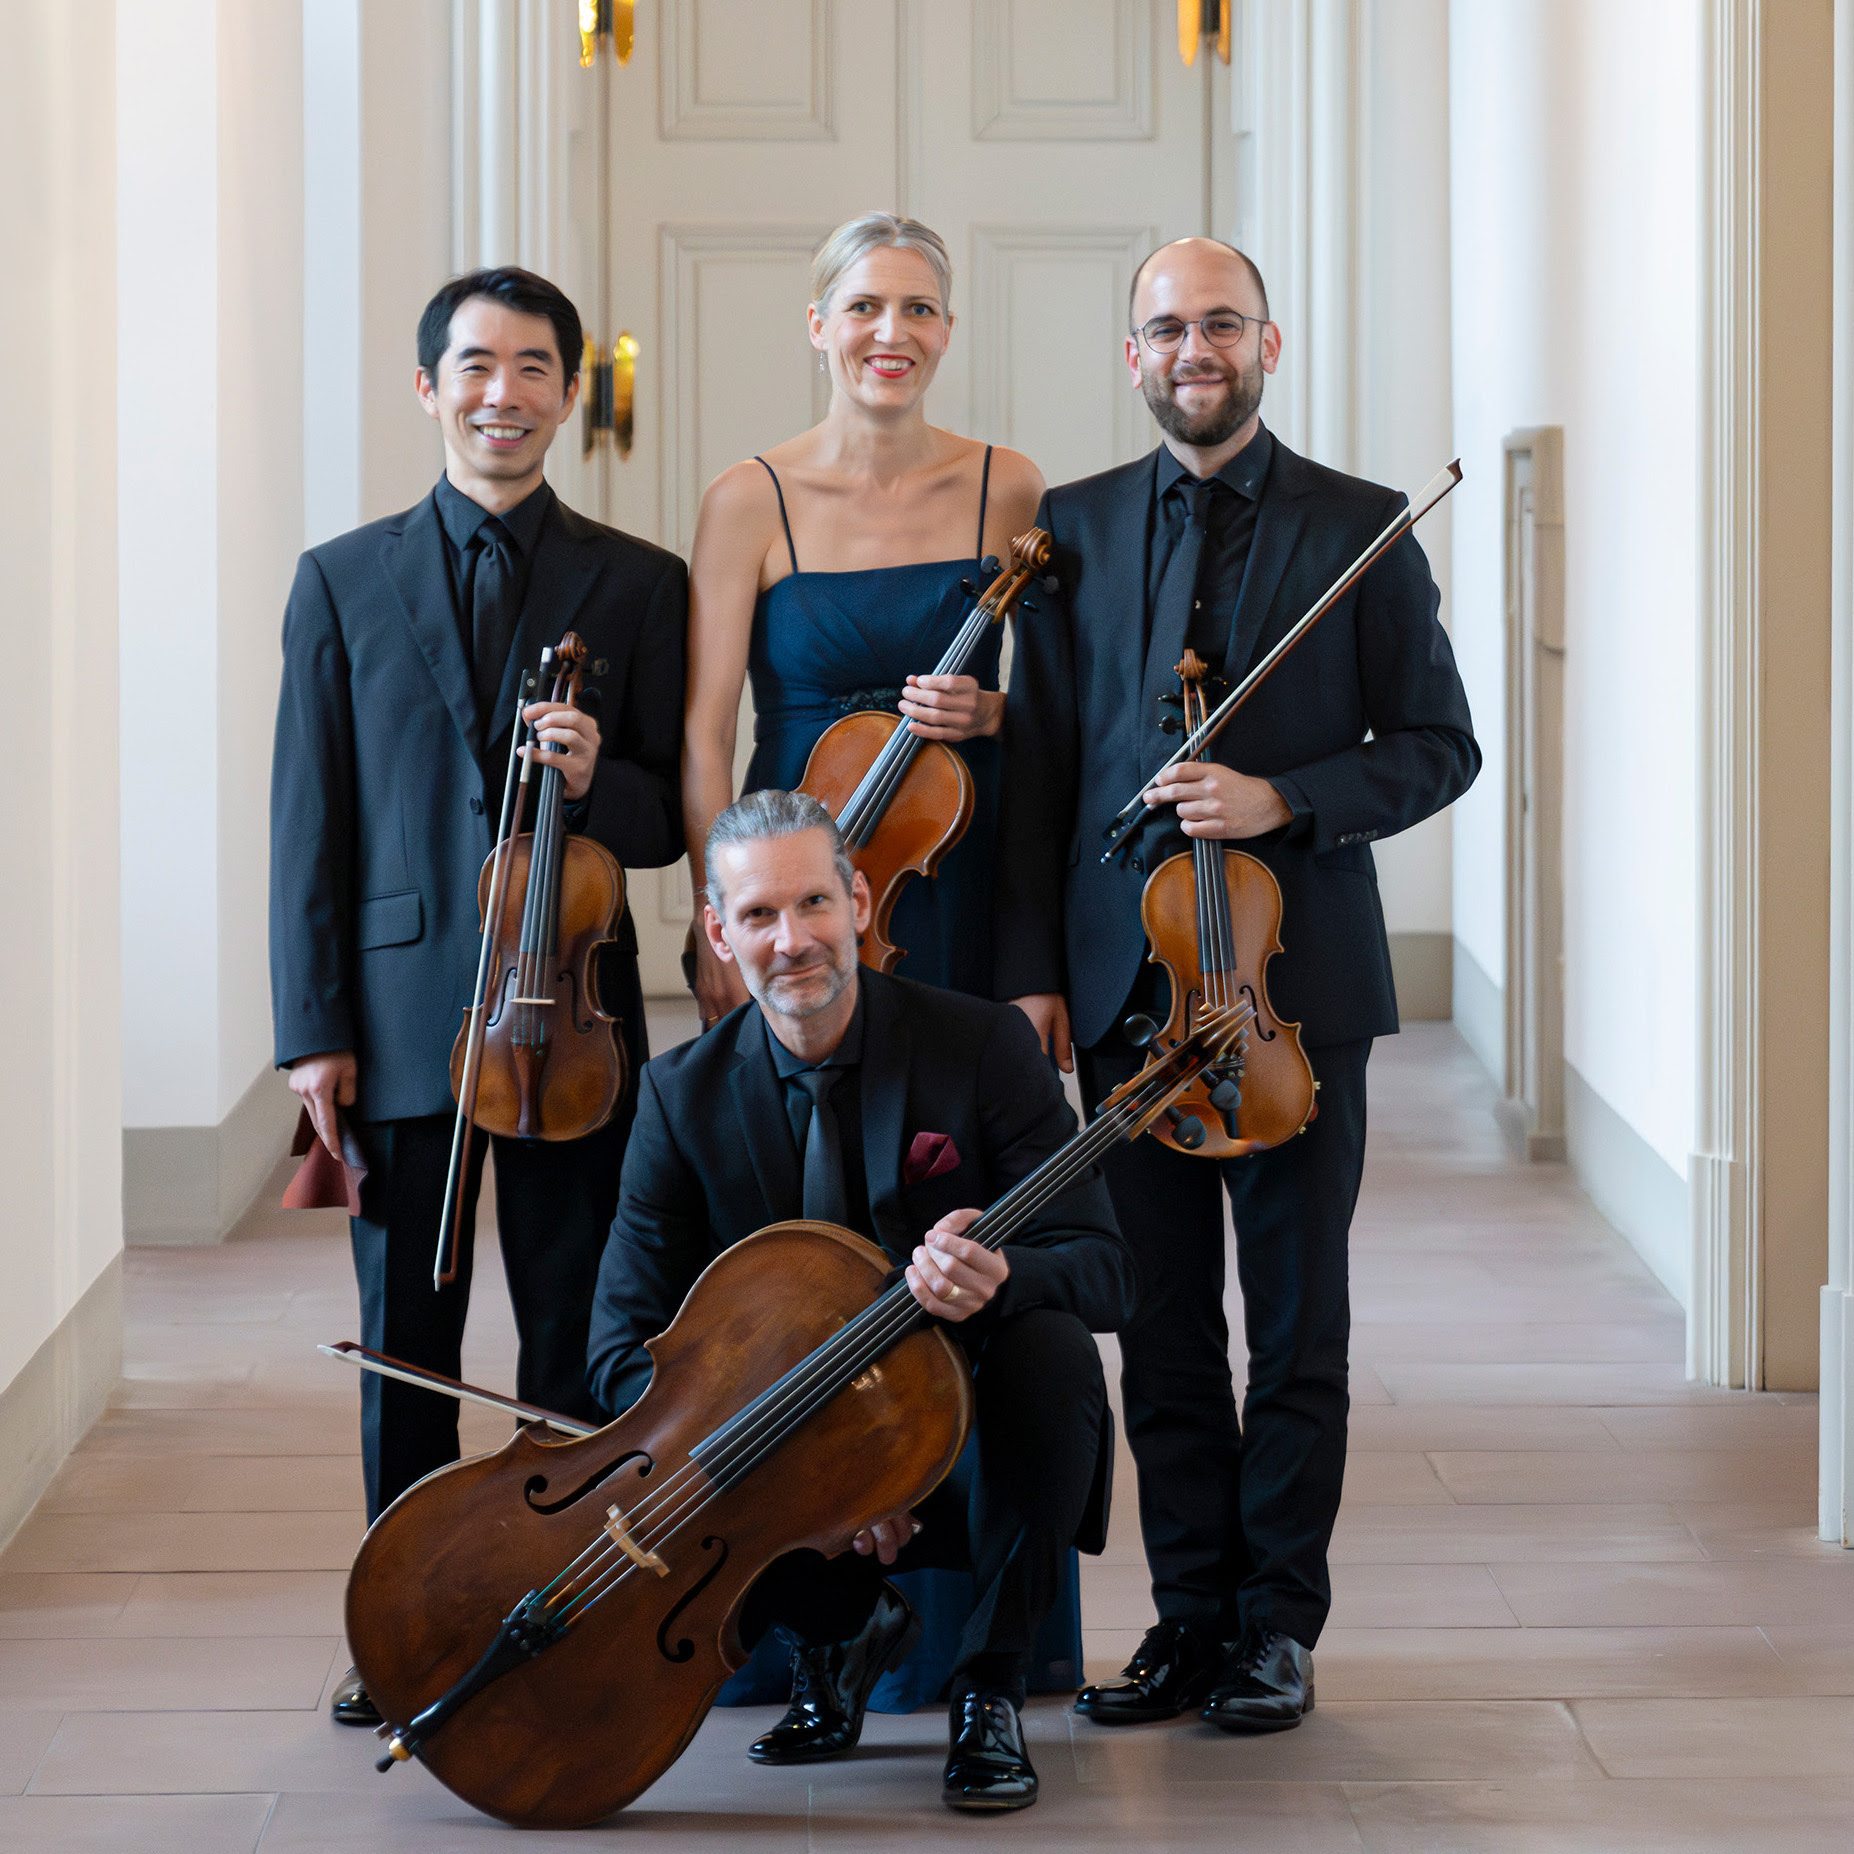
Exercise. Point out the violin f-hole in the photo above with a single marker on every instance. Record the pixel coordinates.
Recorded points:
(1257, 1020)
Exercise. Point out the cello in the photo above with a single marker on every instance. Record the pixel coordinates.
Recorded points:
(545, 1627)
(537, 1057)
(901, 802)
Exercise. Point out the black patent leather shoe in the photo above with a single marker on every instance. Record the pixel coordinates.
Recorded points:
(831, 1685)
(1265, 1686)
(1171, 1673)
(351, 1706)
(987, 1766)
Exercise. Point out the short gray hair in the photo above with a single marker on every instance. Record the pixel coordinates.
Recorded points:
(878, 231)
(762, 815)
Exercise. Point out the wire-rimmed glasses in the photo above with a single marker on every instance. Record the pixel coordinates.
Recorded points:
(1222, 328)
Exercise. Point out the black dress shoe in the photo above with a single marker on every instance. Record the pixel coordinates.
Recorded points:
(831, 1685)
(1265, 1686)
(1170, 1674)
(987, 1766)
(351, 1706)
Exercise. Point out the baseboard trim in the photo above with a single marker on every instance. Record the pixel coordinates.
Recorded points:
(58, 1394)
(1421, 970)
(186, 1185)
(1480, 1013)
(1638, 1192)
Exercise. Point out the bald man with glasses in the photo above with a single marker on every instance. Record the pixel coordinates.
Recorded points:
(1217, 542)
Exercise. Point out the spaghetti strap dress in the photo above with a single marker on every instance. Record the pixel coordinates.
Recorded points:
(823, 646)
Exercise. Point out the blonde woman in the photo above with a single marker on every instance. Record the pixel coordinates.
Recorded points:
(829, 571)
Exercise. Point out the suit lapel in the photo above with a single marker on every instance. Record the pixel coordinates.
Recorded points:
(563, 571)
(415, 562)
(759, 1107)
(884, 1084)
(1278, 523)
(1125, 538)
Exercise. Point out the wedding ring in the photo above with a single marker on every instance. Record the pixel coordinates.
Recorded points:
(952, 1291)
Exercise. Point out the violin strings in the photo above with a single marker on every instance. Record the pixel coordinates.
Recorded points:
(877, 1329)
(871, 797)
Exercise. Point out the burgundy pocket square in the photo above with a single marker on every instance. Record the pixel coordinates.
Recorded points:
(930, 1155)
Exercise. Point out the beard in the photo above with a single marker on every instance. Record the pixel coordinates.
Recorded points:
(802, 991)
(1215, 425)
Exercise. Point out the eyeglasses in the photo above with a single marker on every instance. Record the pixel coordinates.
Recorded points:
(1165, 334)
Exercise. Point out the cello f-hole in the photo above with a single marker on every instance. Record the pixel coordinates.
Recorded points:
(685, 1648)
(537, 1484)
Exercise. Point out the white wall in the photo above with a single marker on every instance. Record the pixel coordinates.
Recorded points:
(210, 428)
(60, 1086)
(1574, 181)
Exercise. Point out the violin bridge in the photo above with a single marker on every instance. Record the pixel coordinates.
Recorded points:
(621, 1537)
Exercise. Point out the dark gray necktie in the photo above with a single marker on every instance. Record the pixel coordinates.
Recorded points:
(495, 609)
(824, 1201)
(1171, 621)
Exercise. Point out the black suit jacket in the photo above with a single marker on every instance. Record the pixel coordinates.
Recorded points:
(1364, 729)
(712, 1159)
(386, 790)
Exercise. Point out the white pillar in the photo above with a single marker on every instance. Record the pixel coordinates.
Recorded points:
(1837, 1395)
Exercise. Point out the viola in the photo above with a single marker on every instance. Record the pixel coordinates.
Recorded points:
(546, 1627)
(537, 1057)
(1213, 920)
(901, 802)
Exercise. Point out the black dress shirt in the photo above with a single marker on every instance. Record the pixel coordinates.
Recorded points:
(460, 518)
(1235, 495)
(846, 1103)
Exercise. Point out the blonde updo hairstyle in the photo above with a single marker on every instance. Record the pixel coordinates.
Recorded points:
(878, 231)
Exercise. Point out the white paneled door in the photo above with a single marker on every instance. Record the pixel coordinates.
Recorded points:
(1051, 143)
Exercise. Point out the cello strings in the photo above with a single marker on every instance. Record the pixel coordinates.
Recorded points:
(877, 1329)
(878, 1323)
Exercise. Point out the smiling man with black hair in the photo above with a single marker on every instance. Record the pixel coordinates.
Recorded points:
(403, 645)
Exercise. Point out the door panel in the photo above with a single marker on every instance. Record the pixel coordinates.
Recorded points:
(1051, 143)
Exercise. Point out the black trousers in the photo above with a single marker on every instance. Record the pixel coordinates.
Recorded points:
(555, 1200)
(1237, 1516)
(1041, 1405)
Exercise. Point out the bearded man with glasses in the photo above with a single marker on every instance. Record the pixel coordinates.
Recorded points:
(1217, 542)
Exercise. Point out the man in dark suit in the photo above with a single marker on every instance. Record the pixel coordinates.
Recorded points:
(1218, 542)
(404, 647)
(821, 1098)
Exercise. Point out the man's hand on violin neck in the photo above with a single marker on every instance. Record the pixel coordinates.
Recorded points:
(572, 737)
(325, 1082)
(953, 1276)
(1218, 801)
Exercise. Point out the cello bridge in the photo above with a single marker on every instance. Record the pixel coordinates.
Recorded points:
(621, 1537)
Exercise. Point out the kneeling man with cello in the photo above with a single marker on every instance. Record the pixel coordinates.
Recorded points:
(894, 1110)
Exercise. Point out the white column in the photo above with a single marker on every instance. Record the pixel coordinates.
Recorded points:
(1837, 1396)
(210, 489)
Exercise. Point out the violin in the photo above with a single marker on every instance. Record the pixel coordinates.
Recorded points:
(901, 802)
(1213, 920)
(537, 1057)
(544, 1628)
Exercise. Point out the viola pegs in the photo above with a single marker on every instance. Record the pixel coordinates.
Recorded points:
(1172, 699)
(1050, 583)
(989, 566)
(967, 587)
(1024, 605)
(1187, 1129)
(1171, 724)
(1226, 1097)
(1139, 1030)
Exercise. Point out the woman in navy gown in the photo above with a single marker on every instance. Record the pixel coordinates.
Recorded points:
(829, 570)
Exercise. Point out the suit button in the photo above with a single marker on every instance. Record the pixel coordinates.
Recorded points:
(476, 807)
(1139, 866)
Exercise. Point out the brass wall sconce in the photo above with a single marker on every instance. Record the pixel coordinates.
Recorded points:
(610, 395)
(1204, 19)
(605, 19)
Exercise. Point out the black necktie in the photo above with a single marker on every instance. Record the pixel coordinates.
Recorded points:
(495, 609)
(825, 1200)
(1171, 623)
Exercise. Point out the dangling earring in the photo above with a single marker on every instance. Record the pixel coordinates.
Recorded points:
(823, 364)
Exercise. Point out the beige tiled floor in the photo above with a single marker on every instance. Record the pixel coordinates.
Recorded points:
(1578, 1603)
